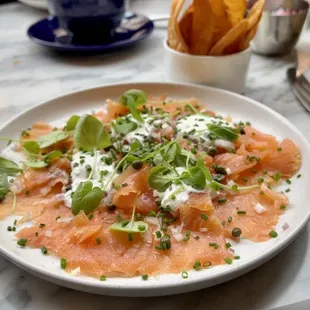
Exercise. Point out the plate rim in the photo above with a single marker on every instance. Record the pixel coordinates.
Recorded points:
(41, 4)
(117, 290)
(89, 48)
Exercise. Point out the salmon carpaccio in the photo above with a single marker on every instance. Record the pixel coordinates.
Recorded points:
(174, 183)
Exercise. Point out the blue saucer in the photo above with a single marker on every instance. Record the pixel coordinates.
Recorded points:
(133, 28)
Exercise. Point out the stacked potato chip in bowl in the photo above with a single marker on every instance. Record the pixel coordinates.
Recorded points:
(215, 29)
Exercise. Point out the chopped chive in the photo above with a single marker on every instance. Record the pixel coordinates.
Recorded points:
(228, 245)
(184, 275)
(44, 250)
(125, 223)
(241, 212)
(298, 176)
(63, 263)
(103, 278)
(152, 213)
(204, 216)
(228, 260)
(277, 177)
(197, 237)
(261, 192)
(197, 265)
(36, 234)
(222, 200)
(279, 149)
(90, 216)
(141, 227)
(187, 236)
(260, 180)
(42, 225)
(237, 257)
(229, 219)
(144, 277)
(9, 228)
(15, 222)
(273, 234)
(287, 190)
(165, 242)
(130, 237)
(158, 234)
(206, 264)
(98, 240)
(214, 244)
(283, 207)
(22, 242)
(57, 218)
(288, 181)
(14, 228)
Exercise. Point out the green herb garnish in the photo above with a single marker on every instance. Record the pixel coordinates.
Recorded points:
(132, 99)
(131, 226)
(86, 198)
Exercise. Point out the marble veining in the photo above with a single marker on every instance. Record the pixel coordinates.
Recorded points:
(31, 74)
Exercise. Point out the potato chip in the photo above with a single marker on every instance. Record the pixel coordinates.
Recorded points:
(235, 10)
(185, 25)
(222, 24)
(248, 37)
(233, 36)
(203, 27)
(255, 13)
(253, 17)
(175, 39)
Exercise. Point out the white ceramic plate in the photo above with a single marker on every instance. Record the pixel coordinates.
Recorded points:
(38, 4)
(252, 254)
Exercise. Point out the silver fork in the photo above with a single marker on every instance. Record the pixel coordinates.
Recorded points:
(300, 85)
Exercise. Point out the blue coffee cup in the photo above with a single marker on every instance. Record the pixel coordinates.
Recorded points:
(88, 20)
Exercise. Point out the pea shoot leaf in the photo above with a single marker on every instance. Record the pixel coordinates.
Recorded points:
(130, 227)
(4, 185)
(170, 152)
(139, 96)
(160, 178)
(72, 122)
(185, 159)
(36, 163)
(32, 148)
(90, 134)
(52, 155)
(132, 99)
(200, 164)
(124, 126)
(135, 146)
(52, 138)
(86, 198)
(8, 167)
(222, 132)
(194, 177)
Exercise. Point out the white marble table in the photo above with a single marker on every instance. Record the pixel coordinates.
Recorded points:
(30, 75)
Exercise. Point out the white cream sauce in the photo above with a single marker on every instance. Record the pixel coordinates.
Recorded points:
(80, 164)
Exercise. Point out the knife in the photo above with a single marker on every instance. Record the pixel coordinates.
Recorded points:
(300, 87)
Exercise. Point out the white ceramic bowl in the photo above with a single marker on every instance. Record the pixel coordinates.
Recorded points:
(227, 72)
